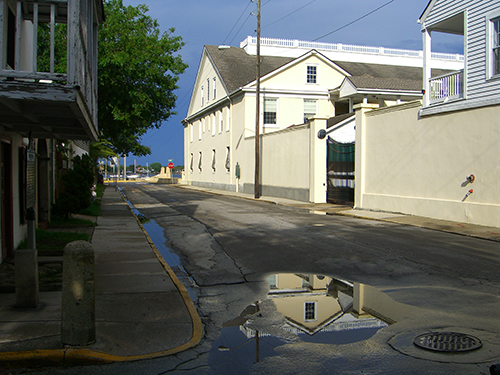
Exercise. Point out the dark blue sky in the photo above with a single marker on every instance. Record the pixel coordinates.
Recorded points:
(216, 22)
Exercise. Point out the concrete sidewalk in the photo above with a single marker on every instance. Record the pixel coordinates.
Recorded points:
(142, 310)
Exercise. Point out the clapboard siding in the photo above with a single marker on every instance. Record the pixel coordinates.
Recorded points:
(478, 86)
(444, 9)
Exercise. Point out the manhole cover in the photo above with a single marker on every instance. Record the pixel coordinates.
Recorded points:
(450, 342)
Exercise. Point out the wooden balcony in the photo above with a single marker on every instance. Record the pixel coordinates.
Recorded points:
(50, 104)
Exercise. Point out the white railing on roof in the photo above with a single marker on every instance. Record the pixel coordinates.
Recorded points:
(446, 87)
(295, 43)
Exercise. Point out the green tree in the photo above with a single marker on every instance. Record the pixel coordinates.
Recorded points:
(101, 149)
(155, 167)
(60, 54)
(138, 74)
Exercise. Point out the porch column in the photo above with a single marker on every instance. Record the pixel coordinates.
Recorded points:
(426, 35)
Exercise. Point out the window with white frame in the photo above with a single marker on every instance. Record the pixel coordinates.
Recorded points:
(310, 109)
(213, 160)
(202, 96)
(199, 162)
(191, 165)
(215, 88)
(221, 122)
(309, 311)
(312, 74)
(213, 123)
(228, 160)
(496, 45)
(227, 119)
(191, 132)
(208, 89)
(493, 44)
(199, 131)
(270, 110)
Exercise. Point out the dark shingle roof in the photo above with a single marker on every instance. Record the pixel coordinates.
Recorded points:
(386, 71)
(237, 68)
(369, 82)
(338, 119)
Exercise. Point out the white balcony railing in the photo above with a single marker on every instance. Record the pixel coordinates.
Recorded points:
(446, 87)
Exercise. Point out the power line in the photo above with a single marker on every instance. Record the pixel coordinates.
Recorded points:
(295, 11)
(241, 15)
(246, 19)
(356, 20)
(240, 27)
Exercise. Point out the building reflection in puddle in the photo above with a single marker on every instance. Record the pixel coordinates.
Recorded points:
(309, 308)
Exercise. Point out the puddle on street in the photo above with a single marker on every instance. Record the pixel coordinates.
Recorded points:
(298, 307)
(309, 308)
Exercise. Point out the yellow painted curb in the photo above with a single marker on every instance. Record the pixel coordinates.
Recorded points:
(195, 318)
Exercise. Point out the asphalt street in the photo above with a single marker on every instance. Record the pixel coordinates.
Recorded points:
(424, 280)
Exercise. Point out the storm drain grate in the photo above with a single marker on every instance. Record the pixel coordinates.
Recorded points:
(450, 342)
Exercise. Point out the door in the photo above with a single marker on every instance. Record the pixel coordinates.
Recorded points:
(340, 172)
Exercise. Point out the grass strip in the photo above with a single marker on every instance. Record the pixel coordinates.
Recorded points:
(54, 241)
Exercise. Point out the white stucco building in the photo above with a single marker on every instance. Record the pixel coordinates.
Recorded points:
(305, 87)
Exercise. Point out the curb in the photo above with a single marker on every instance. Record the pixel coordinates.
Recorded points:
(51, 357)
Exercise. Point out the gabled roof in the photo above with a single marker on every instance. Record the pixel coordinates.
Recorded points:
(237, 68)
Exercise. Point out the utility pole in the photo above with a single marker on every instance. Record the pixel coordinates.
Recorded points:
(257, 110)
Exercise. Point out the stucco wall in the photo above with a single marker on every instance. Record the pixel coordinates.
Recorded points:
(293, 163)
(419, 165)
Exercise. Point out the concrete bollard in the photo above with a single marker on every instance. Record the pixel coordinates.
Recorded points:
(78, 295)
(26, 276)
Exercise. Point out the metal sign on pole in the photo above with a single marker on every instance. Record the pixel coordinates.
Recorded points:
(170, 165)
